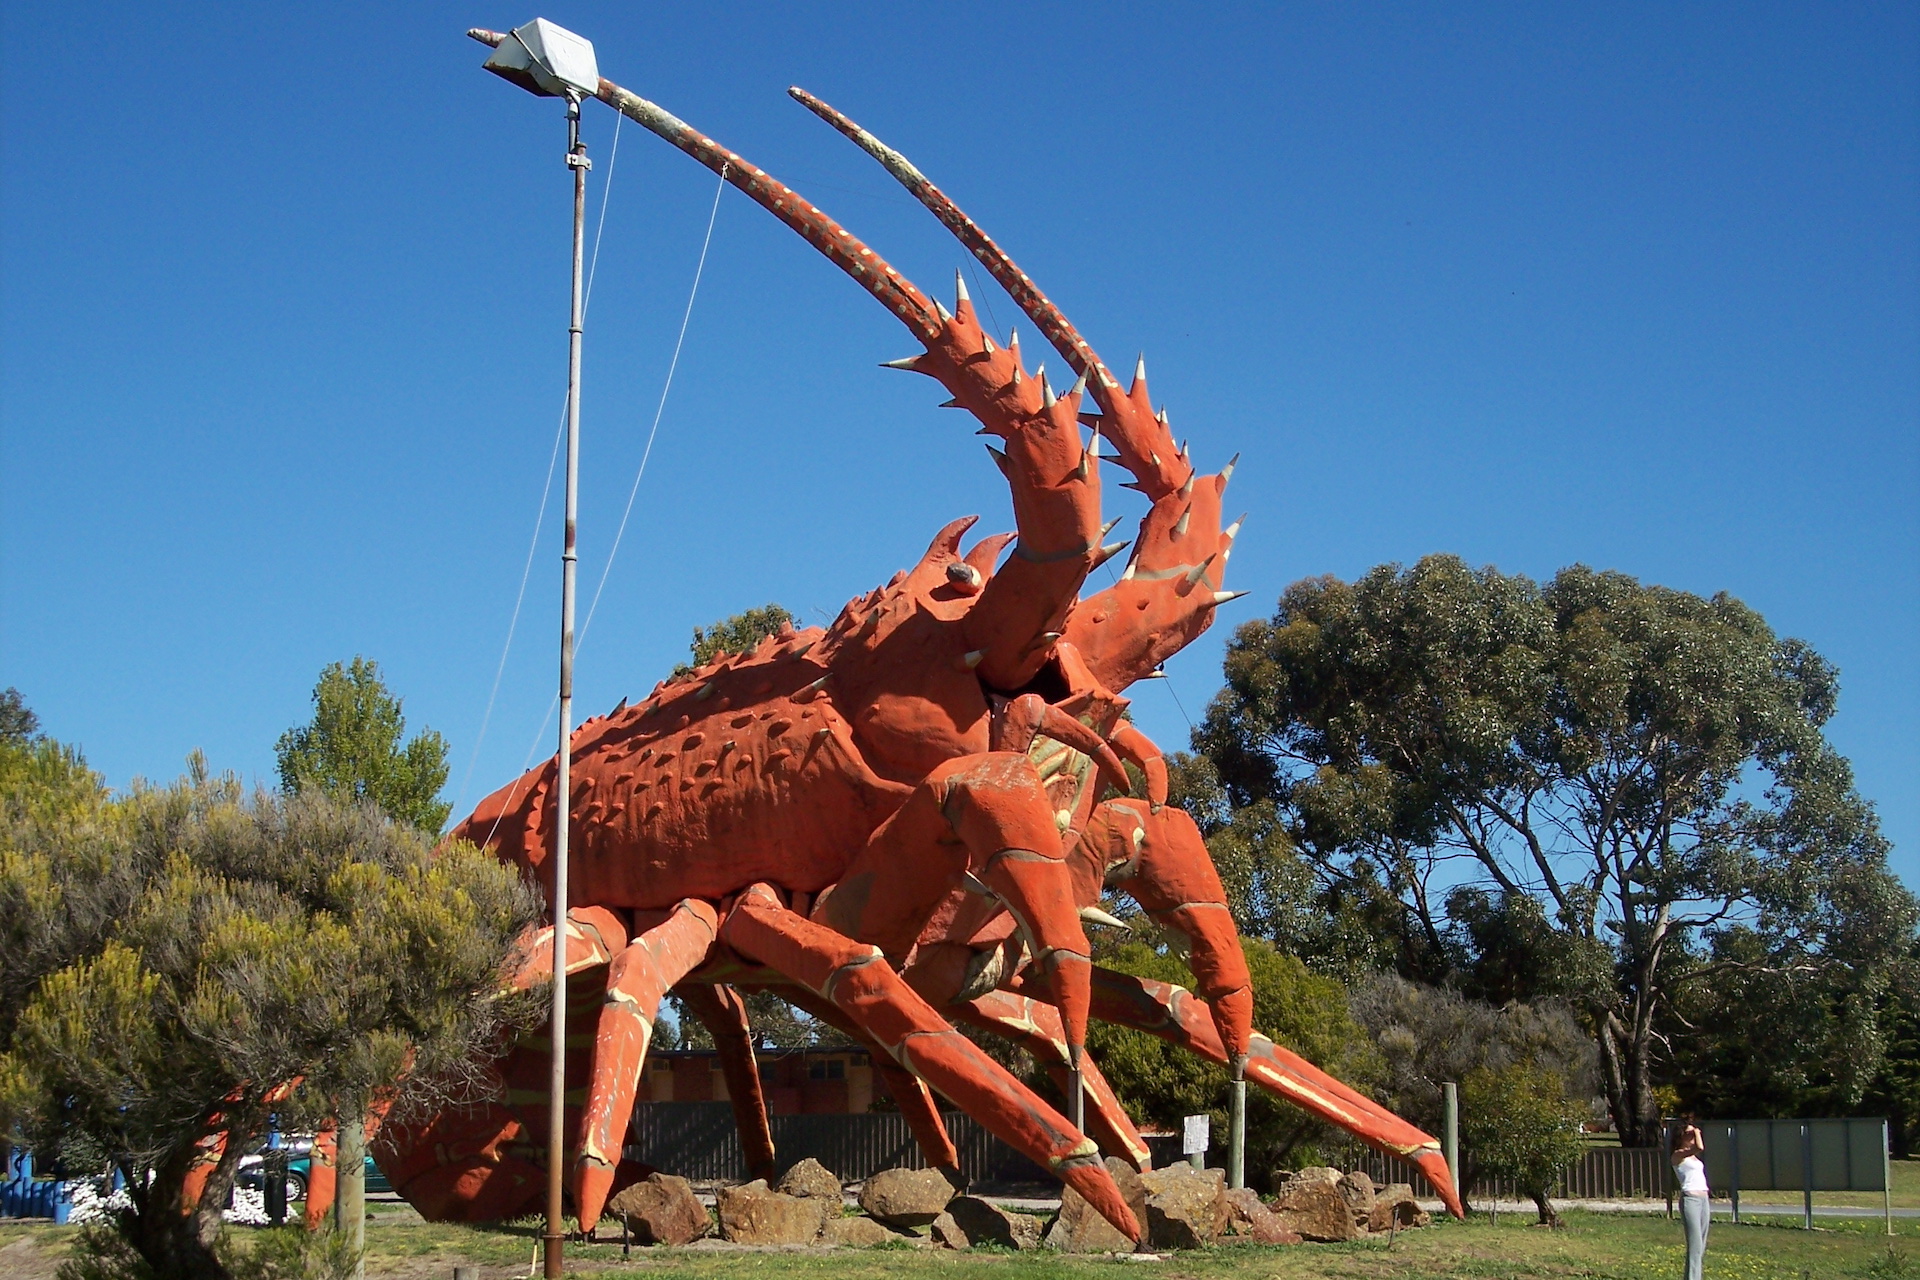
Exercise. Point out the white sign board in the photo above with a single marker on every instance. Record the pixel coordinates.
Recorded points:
(1194, 1132)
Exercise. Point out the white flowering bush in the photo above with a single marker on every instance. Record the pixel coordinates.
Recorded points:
(91, 1205)
(249, 1207)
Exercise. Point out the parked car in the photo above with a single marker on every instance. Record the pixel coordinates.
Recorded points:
(253, 1171)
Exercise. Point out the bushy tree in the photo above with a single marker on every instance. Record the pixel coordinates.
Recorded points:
(198, 951)
(1608, 791)
(1304, 1010)
(1895, 1091)
(1526, 1070)
(736, 634)
(352, 749)
(18, 724)
(1426, 1036)
(1518, 1123)
(1836, 1043)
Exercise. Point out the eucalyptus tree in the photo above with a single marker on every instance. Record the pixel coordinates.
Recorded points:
(1596, 789)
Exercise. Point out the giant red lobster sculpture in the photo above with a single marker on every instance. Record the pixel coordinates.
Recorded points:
(901, 821)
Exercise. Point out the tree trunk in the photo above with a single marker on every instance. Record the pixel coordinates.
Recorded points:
(1626, 1061)
(1548, 1218)
(1645, 1107)
(179, 1245)
(350, 1190)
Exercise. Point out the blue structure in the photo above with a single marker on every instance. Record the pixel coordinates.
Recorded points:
(24, 1196)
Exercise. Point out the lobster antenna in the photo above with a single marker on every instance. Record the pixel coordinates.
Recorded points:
(1134, 433)
(841, 247)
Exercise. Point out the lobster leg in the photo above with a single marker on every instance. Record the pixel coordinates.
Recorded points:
(1035, 1027)
(988, 813)
(211, 1147)
(640, 975)
(724, 1014)
(909, 1092)
(323, 1175)
(858, 980)
(1179, 1017)
(483, 1163)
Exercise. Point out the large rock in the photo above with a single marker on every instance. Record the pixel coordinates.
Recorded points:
(1316, 1211)
(945, 1231)
(1356, 1188)
(969, 1220)
(1395, 1209)
(1186, 1207)
(752, 1214)
(811, 1180)
(857, 1232)
(662, 1209)
(1249, 1219)
(1307, 1177)
(906, 1197)
(1080, 1229)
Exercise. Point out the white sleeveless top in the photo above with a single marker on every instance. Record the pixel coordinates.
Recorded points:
(1692, 1173)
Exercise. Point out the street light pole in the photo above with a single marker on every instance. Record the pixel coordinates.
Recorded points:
(555, 1235)
(551, 62)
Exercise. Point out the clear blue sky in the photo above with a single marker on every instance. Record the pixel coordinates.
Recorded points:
(285, 294)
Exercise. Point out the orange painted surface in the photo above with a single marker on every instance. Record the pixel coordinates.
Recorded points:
(901, 816)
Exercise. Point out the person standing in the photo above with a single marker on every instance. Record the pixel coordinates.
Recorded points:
(1691, 1170)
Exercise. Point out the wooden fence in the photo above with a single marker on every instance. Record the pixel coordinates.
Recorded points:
(698, 1140)
(1603, 1173)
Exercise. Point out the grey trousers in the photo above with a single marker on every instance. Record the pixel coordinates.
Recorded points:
(1695, 1213)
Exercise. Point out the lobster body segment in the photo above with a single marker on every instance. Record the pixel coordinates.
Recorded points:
(740, 774)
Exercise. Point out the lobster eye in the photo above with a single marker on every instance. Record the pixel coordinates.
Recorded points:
(965, 578)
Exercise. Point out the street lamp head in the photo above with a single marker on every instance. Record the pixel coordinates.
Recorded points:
(547, 60)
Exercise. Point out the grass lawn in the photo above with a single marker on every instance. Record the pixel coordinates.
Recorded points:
(1592, 1247)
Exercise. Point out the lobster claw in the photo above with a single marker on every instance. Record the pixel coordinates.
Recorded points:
(1138, 748)
(1029, 716)
(1174, 880)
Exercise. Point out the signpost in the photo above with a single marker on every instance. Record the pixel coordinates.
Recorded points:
(1799, 1155)
(1195, 1133)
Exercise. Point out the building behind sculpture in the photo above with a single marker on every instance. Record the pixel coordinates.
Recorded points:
(837, 1081)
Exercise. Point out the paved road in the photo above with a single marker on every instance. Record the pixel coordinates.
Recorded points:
(1721, 1209)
